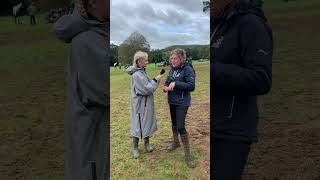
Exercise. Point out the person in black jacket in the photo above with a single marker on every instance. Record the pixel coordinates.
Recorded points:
(180, 82)
(241, 69)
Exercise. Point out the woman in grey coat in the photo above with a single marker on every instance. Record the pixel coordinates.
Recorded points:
(87, 105)
(142, 116)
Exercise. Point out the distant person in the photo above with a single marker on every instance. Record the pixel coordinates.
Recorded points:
(60, 11)
(142, 114)
(241, 70)
(87, 105)
(71, 6)
(32, 12)
(16, 10)
(179, 84)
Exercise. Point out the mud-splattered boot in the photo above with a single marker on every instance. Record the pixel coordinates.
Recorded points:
(188, 158)
(175, 143)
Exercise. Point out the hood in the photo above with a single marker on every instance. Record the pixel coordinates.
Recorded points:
(132, 69)
(237, 9)
(68, 26)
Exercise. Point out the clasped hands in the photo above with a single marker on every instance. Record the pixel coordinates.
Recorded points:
(170, 87)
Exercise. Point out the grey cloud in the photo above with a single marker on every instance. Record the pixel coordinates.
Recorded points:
(146, 16)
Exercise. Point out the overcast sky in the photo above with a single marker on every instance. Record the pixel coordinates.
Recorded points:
(162, 22)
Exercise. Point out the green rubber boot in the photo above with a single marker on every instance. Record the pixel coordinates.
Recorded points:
(147, 145)
(135, 150)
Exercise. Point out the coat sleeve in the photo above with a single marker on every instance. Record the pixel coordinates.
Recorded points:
(142, 84)
(254, 77)
(189, 83)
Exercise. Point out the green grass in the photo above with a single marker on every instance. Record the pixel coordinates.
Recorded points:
(159, 164)
(32, 69)
(289, 115)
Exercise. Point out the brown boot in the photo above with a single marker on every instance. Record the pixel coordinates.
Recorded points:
(175, 143)
(185, 142)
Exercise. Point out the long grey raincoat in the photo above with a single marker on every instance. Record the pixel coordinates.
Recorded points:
(142, 116)
(87, 105)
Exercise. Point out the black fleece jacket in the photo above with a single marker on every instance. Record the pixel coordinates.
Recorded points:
(241, 69)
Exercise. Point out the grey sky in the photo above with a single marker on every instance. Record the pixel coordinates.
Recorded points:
(162, 22)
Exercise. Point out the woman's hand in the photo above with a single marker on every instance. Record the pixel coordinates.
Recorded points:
(166, 89)
(171, 86)
(158, 78)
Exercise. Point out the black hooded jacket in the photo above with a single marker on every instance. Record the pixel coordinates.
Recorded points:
(241, 69)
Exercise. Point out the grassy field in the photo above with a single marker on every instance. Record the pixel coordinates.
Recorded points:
(289, 145)
(32, 93)
(159, 164)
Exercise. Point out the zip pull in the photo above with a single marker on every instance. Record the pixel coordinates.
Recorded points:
(231, 109)
(94, 170)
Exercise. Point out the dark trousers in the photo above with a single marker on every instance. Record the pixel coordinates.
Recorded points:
(229, 158)
(33, 19)
(178, 117)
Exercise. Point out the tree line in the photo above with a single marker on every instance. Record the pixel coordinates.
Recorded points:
(124, 52)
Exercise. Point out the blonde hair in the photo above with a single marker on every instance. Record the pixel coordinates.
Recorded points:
(137, 56)
(181, 53)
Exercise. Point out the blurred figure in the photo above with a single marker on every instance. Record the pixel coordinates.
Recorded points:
(87, 105)
(32, 9)
(16, 10)
(241, 70)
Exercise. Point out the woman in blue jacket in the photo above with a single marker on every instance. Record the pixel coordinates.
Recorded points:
(180, 82)
(241, 70)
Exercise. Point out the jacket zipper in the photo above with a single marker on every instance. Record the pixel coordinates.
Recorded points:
(145, 103)
(140, 126)
(231, 109)
(233, 97)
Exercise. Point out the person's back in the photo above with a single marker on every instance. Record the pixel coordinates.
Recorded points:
(87, 94)
(32, 9)
(32, 12)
